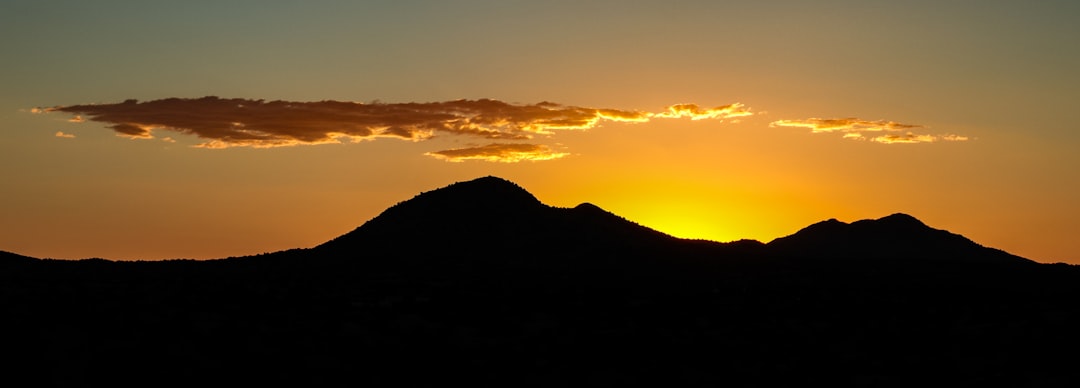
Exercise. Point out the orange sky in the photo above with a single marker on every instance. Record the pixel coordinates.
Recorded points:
(962, 117)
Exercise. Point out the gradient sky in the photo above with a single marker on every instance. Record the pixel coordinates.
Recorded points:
(961, 113)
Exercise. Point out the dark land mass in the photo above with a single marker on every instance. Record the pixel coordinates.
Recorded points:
(479, 283)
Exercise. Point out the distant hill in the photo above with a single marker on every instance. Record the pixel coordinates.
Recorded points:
(490, 214)
(479, 283)
(493, 215)
(12, 257)
(492, 227)
(898, 236)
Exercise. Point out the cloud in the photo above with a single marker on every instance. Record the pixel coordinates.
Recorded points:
(695, 112)
(850, 124)
(954, 138)
(854, 129)
(499, 152)
(909, 138)
(64, 135)
(226, 123)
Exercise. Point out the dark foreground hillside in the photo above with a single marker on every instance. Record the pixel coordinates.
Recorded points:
(479, 283)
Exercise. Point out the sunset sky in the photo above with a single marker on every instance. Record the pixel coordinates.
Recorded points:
(206, 129)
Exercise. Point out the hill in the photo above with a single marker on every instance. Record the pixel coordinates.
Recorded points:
(480, 283)
(895, 237)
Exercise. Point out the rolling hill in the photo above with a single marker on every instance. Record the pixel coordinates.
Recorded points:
(479, 282)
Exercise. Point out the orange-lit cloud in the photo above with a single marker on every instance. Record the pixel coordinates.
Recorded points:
(64, 135)
(909, 138)
(695, 112)
(854, 129)
(497, 152)
(225, 123)
(954, 138)
(850, 124)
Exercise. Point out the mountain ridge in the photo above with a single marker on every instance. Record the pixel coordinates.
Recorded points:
(504, 214)
(895, 236)
(495, 223)
(482, 282)
(491, 213)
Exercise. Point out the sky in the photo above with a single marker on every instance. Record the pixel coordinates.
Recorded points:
(145, 130)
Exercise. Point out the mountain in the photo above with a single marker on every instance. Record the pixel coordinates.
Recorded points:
(492, 216)
(493, 226)
(895, 237)
(480, 283)
(8, 257)
(489, 213)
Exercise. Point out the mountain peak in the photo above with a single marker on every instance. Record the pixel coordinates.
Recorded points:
(897, 235)
(465, 199)
(482, 208)
(479, 194)
(586, 206)
(488, 187)
(900, 217)
(491, 214)
(494, 215)
(486, 181)
(900, 220)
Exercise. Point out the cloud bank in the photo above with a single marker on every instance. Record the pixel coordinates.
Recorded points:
(225, 123)
(856, 129)
(496, 152)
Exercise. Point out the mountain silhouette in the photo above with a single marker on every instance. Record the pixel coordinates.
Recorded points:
(898, 236)
(485, 210)
(491, 223)
(480, 283)
(492, 216)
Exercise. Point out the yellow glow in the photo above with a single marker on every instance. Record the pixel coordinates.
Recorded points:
(685, 220)
(685, 208)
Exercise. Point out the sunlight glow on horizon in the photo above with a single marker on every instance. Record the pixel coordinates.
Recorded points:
(714, 120)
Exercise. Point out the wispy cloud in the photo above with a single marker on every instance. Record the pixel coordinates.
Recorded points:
(856, 129)
(64, 135)
(225, 123)
(695, 112)
(850, 124)
(497, 152)
(953, 138)
(908, 138)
